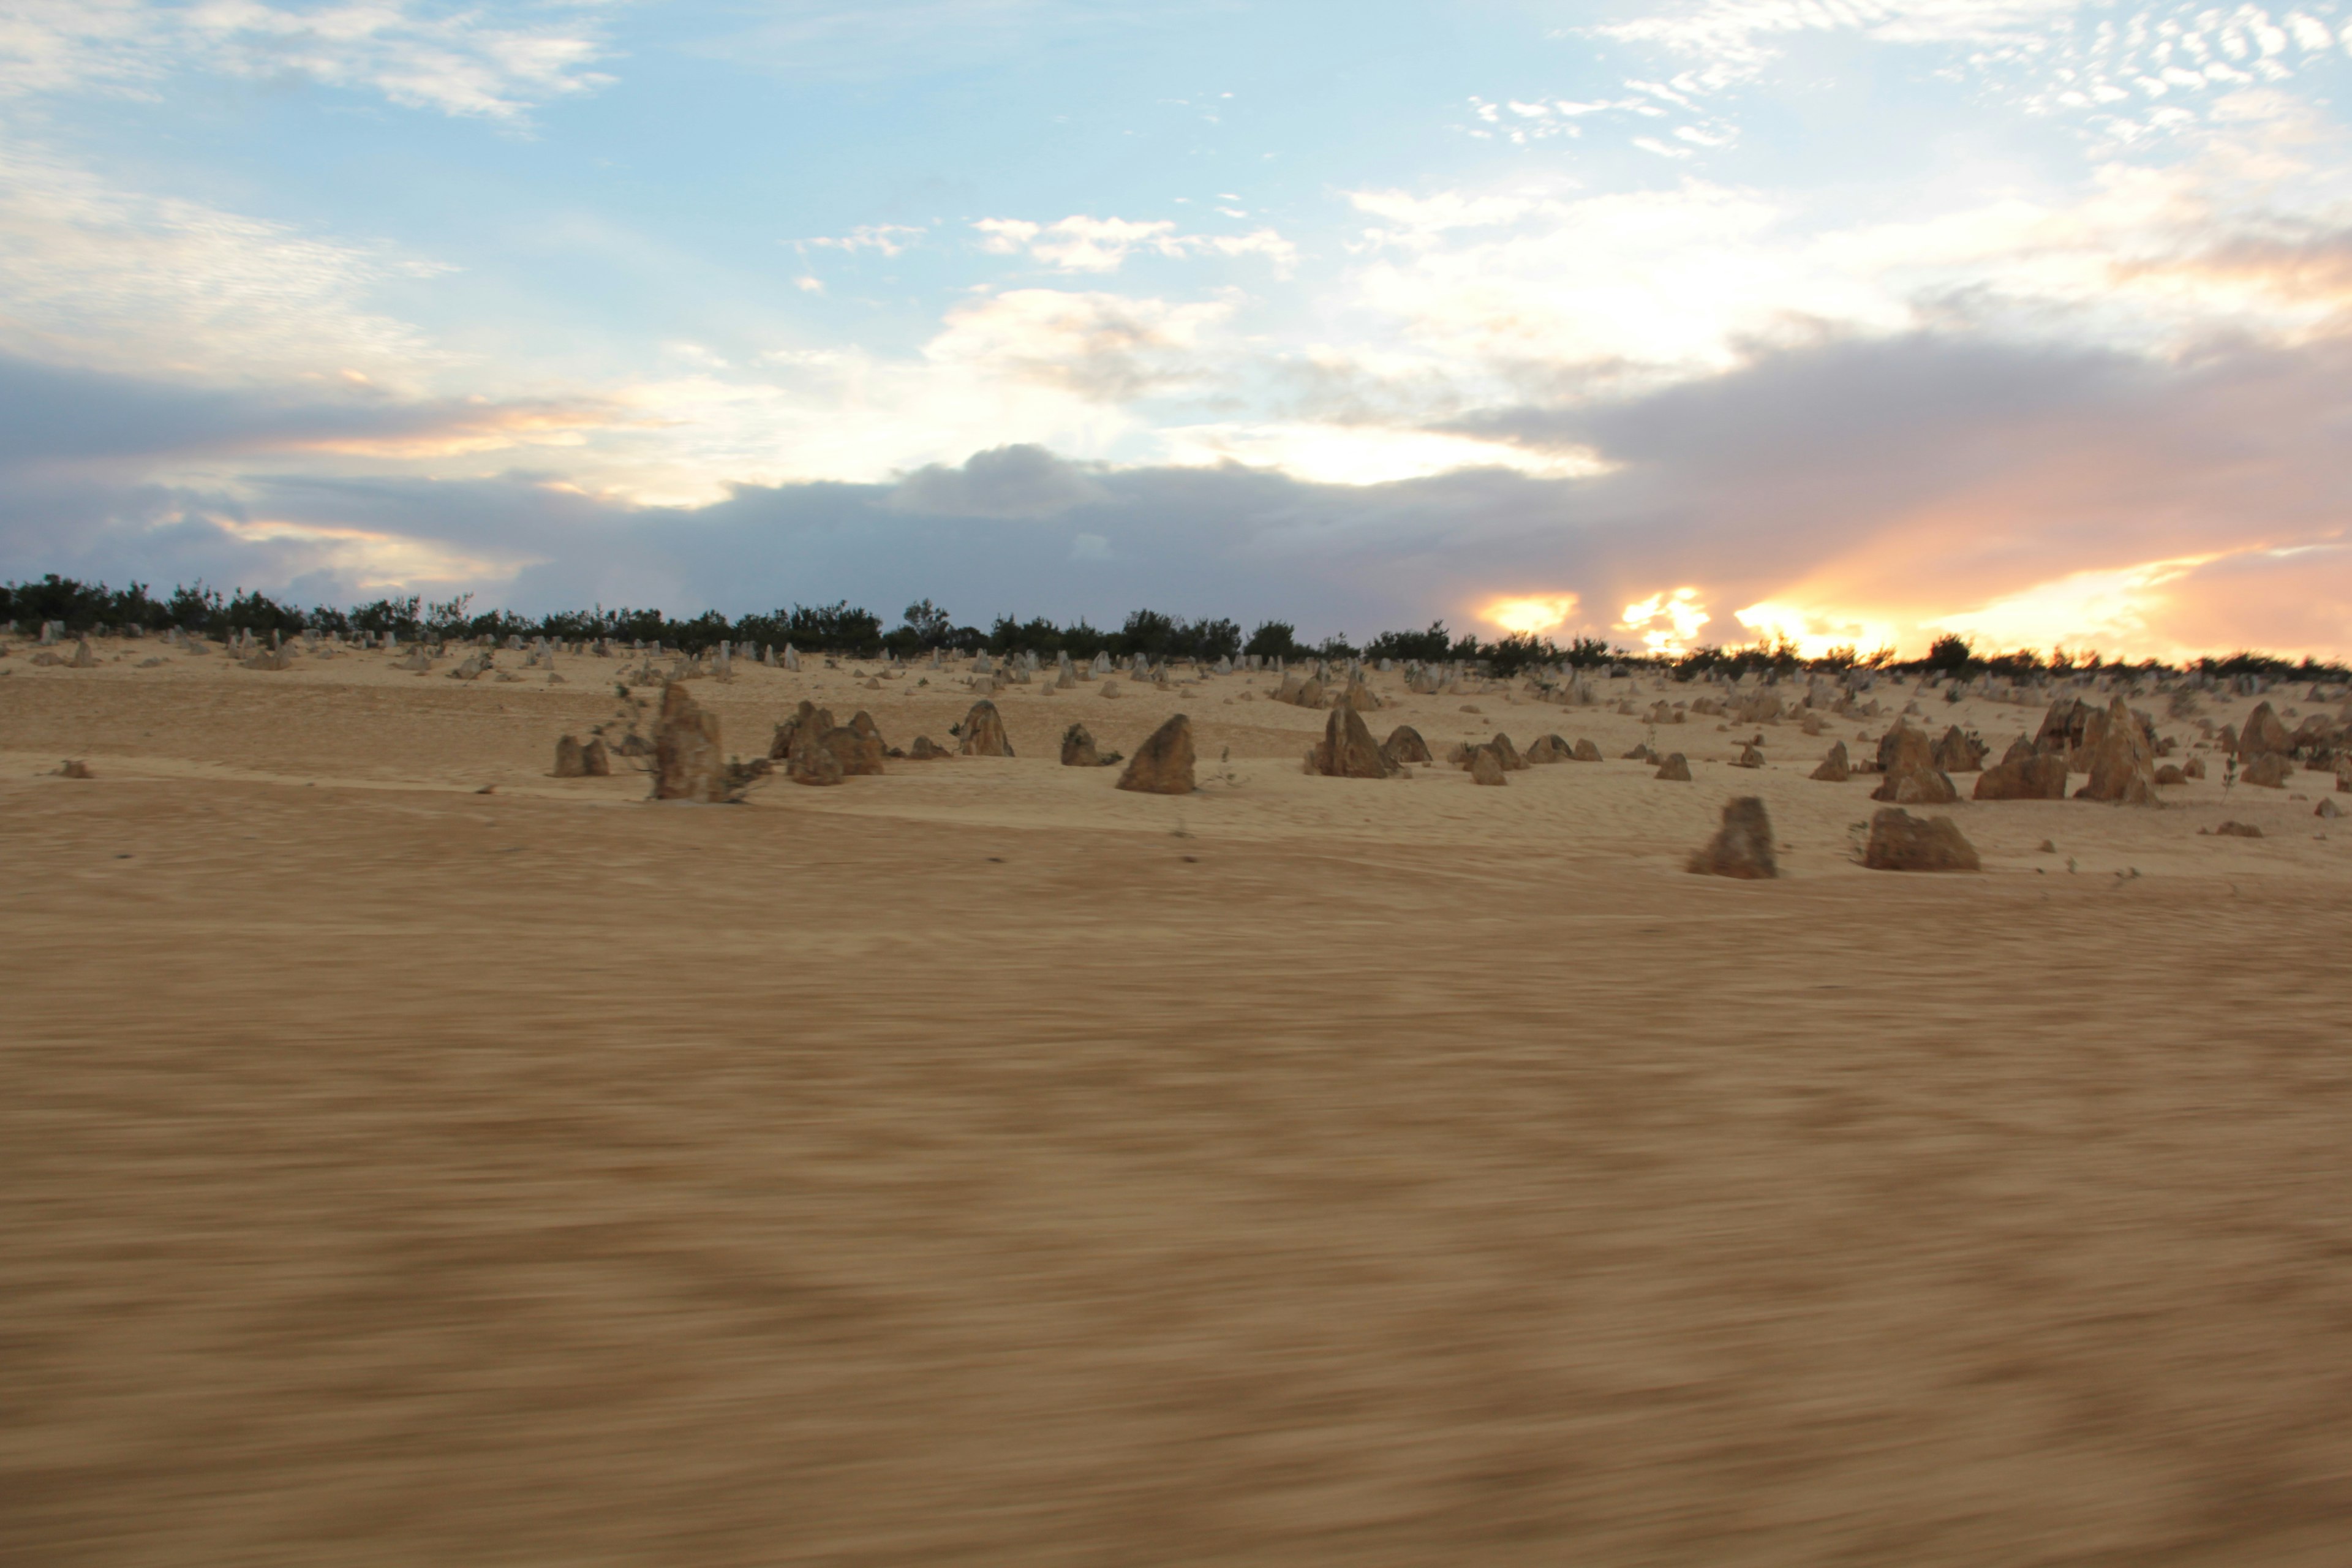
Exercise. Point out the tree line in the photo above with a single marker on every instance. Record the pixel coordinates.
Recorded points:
(924, 626)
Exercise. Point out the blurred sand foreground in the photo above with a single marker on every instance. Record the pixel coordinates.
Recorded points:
(980, 1164)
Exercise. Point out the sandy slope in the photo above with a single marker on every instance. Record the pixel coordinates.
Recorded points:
(963, 1167)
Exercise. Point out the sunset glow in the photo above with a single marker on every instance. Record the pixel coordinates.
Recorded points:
(1531, 615)
(1666, 622)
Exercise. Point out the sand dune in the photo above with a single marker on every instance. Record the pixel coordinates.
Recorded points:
(981, 1165)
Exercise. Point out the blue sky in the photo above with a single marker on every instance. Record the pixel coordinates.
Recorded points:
(1853, 320)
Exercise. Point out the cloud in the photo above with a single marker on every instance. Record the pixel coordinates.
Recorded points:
(1006, 481)
(450, 59)
(1102, 347)
(101, 276)
(1081, 244)
(54, 417)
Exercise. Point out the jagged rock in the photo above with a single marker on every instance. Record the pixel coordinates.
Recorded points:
(1904, 750)
(1548, 749)
(2122, 764)
(811, 760)
(688, 761)
(859, 752)
(1508, 754)
(1902, 842)
(2027, 778)
(2065, 730)
(925, 749)
(984, 732)
(1361, 698)
(863, 723)
(1584, 750)
(1346, 751)
(1959, 752)
(1485, 767)
(2019, 749)
(1309, 694)
(1404, 745)
(1742, 846)
(595, 762)
(1676, 768)
(809, 718)
(1833, 768)
(2263, 735)
(1078, 749)
(1641, 753)
(268, 659)
(1163, 764)
(571, 758)
(1928, 787)
(2267, 770)
(1750, 757)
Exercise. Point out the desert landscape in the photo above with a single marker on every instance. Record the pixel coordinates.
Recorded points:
(413, 1156)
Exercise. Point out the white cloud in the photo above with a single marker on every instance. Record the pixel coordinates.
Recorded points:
(457, 61)
(1361, 454)
(99, 275)
(1082, 244)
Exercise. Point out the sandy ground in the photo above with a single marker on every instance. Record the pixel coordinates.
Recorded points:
(978, 1165)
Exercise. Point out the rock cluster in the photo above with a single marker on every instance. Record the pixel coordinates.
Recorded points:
(1345, 750)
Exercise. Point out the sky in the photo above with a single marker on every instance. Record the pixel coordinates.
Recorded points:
(1852, 322)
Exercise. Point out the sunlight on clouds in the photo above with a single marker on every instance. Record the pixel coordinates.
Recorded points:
(1361, 455)
(1529, 615)
(1081, 244)
(1667, 622)
(1815, 632)
(369, 558)
(2117, 610)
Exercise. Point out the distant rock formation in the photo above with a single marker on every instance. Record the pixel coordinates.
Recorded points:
(1676, 768)
(1833, 768)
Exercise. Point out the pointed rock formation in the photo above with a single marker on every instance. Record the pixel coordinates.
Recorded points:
(1485, 767)
(1078, 749)
(926, 750)
(1163, 764)
(1750, 757)
(1742, 846)
(688, 761)
(2122, 763)
(859, 751)
(2267, 770)
(1833, 768)
(2024, 778)
(1360, 697)
(571, 758)
(1676, 768)
(1508, 754)
(595, 762)
(984, 732)
(1902, 842)
(1548, 749)
(1584, 750)
(1404, 745)
(811, 760)
(1959, 752)
(2263, 734)
(1346, 751)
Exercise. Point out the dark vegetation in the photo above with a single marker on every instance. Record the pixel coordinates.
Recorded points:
(843, 627)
